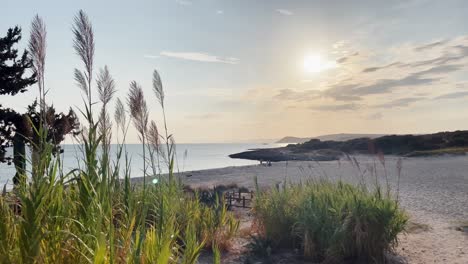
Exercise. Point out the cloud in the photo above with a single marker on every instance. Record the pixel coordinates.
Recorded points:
(204, 116)
(354, 92)
(291, 95)
(339, 107)
(450, 57)
(219, 12)
(430, 45)
(148, 56)
(452, 54)
(402, 102)
(346, 58)
(374, 69)
(441, 69)
(454, 95)
(284, 12)
(197, 56)
(184, 2)
(375, 116)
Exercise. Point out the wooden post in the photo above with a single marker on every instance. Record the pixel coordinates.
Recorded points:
(239, 194)
(230, 201)
(243, 202)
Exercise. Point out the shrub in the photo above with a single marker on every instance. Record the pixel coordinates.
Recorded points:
(330, 221)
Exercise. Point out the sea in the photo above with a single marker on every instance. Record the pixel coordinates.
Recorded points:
(189, 157)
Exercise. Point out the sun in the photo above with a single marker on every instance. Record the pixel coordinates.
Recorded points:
(315, 63)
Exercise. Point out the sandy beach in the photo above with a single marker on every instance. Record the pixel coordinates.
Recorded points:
(434, 192)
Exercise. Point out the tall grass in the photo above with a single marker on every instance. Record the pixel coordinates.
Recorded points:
(331, 222)
(93, 213)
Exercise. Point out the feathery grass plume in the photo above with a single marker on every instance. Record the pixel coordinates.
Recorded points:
(138, 108)
(81, 81)
(153, 134)
(159, 92)
(154, 147)
(139, 113)
(158, 88)
(37, 49)
(106, 90)
(120, 116)
(83, 43)
(106, 86)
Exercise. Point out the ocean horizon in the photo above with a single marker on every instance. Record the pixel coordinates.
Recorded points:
(189, 157)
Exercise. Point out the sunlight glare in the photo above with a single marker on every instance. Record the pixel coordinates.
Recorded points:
(315, 64)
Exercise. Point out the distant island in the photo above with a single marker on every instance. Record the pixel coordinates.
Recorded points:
(442, 143)
(334, 137)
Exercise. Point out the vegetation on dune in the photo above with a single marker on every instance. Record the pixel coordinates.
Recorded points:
(325, 221)
(394, 145)
(93, 214)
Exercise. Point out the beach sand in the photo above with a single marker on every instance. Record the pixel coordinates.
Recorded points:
(434, 192)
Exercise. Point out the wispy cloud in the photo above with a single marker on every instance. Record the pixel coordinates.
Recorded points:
(291, 95)
(203, 116)
(402, 102)
(149, 56)
(346, 58)
(219, 12)
(197, 56)
(446, 57)
(430, 45)
(454, 95)
(339, 107)
(284, 12)
(184, 2)
(375, 116)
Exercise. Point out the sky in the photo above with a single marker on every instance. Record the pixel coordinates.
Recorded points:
(242, 70)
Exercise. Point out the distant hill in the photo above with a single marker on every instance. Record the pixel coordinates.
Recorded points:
(293, 140)
(333, 137)
(410, 145)
(442, 143)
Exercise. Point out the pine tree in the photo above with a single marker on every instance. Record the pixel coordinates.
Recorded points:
(17, 130)
(13, 80)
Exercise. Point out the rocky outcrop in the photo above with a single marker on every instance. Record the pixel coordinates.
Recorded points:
(286, 154)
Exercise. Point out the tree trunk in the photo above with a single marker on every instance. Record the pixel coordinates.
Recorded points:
(19, 158)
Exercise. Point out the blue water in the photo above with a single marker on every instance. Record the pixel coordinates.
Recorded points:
(189, 157)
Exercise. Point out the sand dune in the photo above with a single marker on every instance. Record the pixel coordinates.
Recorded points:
(434, 191)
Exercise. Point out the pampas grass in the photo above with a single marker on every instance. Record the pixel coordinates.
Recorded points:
(83, 43)
(120, 116)
(37, 49)
(106, 90)
(139, 113)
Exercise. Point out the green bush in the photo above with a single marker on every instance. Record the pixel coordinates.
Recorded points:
(330, 221)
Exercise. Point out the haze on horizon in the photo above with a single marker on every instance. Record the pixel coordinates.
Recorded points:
(242, 70)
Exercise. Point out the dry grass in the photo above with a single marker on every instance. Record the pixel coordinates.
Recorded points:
(415, 228)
